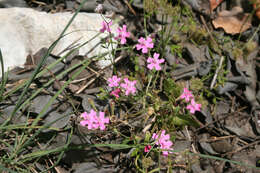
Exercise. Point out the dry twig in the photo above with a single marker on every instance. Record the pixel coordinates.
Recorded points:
(216, 73)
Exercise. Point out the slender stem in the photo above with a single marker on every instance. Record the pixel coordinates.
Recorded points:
(145, 27)
(156, 77)
(146, 92)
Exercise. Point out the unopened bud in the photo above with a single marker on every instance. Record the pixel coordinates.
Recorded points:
(99, 8)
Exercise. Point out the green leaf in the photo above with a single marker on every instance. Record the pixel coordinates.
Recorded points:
(135, 152)
(147, 136)
(171, 89)
(182, 120)
(113, 146)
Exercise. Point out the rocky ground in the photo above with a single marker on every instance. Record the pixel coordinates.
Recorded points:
(212, 48)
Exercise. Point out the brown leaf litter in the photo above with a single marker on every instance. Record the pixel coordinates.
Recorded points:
(233, 22)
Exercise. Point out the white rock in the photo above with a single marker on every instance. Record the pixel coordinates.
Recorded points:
(24, 31)
(12, 3)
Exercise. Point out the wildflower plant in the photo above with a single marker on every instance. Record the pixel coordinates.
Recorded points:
(123, 86)
(168, 114)
(189, 98)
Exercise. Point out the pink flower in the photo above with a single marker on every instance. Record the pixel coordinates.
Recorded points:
(129, 86)
(122, 34)
(93, 121)
(154, 62)
(106, 26)
(186, 95)
(163, 141)
(115, 92)
(113, 82)
(147, 148)
(89, 119)
(193, 106)
(102, 121)
(144, 44)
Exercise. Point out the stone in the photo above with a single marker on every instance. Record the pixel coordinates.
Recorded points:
(25, 31)
(107, 6)
(222, 146)
(12, 3)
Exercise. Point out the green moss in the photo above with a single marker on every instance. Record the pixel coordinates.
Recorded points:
(237, 53)
(199, 35)
(250, 47)
(161, 6)
(176, 38)
(196, 84)
(201, 100)
(150, 6)
(147, 162)
(176, 49)
(214, 46)
(171, 89)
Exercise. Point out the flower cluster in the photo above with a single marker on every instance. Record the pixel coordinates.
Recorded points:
(122, 32)
(145, 44)
(193, 106)
(93, 121)
(164, 141)
(106, 26)
(127, 86)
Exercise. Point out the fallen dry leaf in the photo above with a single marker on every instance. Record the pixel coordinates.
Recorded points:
(233, 22)
(214, 4)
